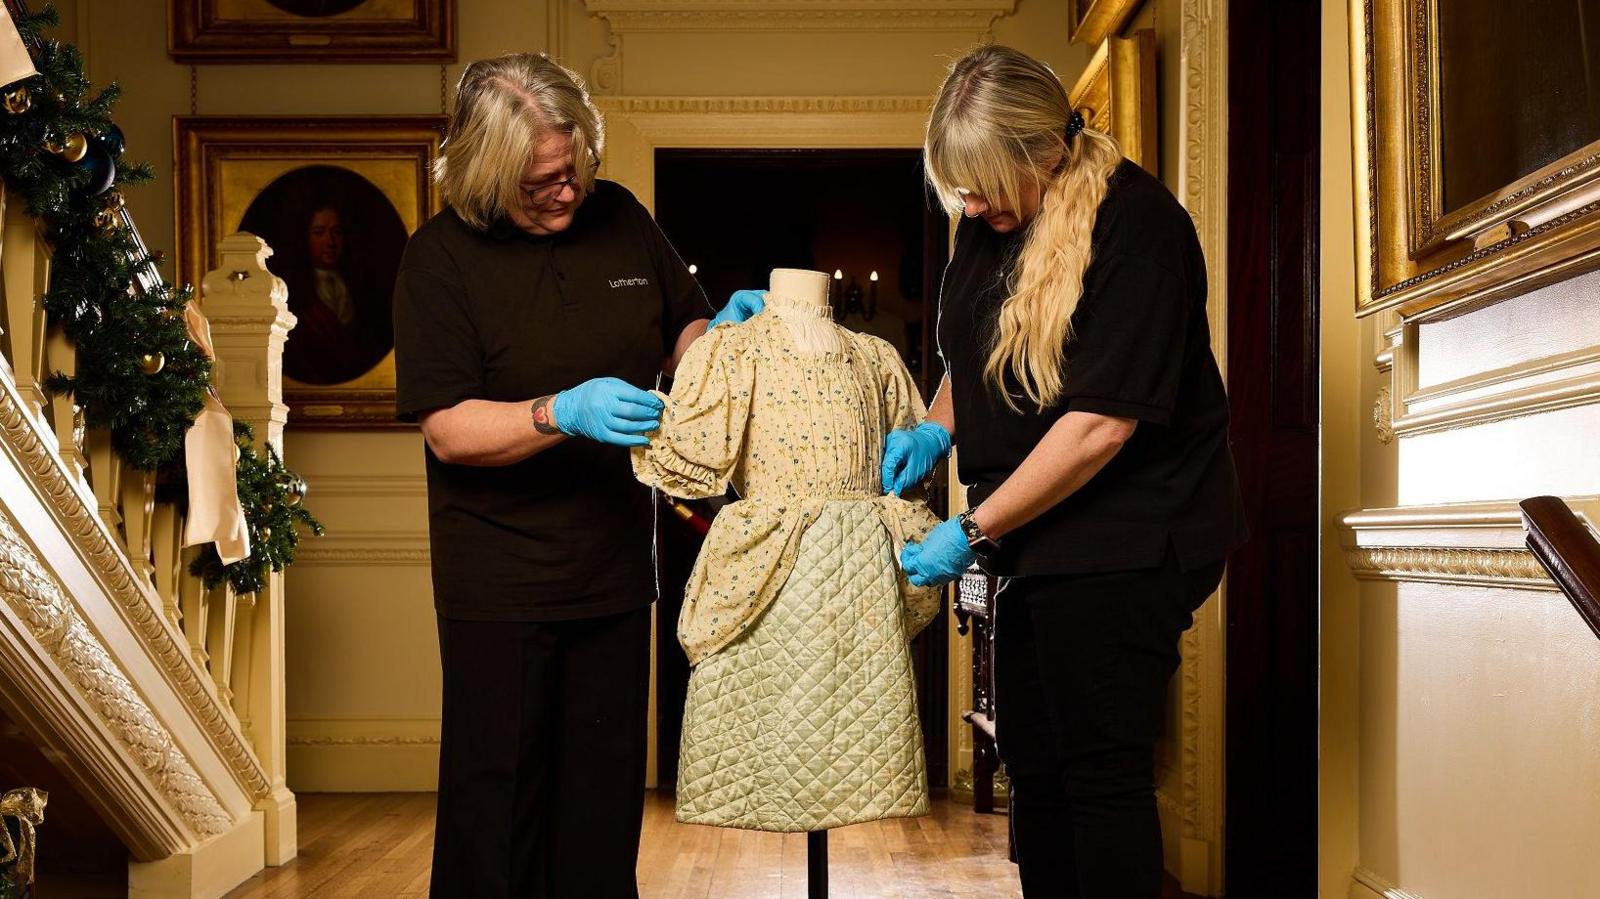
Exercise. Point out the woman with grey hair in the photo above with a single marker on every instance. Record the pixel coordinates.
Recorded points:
(538, 307)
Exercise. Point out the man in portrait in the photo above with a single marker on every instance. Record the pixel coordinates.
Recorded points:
(336, 241)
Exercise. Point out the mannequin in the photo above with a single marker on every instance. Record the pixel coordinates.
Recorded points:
(801, 714)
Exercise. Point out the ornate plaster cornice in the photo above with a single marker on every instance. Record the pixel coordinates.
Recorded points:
(366, 740)
(1467, 544)
(361, 556)
(21, 441)
(802, 15)
(762, 105)
(1487, 566)
(54, 622)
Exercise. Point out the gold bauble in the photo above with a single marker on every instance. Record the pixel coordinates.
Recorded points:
(75, 147)
(115, 200)
(53, 146)
(266, 533)
(297, 491)
(236, 454)
(152, 363)
(106, 221)
(18, 101)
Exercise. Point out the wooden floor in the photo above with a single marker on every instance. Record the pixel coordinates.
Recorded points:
(380, 845)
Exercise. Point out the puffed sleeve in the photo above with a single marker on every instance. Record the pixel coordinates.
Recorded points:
(694, 452)
(902, 401)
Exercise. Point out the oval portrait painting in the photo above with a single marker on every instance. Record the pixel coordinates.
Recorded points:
(316, 8)
(336, 242)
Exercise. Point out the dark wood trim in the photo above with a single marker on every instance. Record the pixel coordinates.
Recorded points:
(1568, 550)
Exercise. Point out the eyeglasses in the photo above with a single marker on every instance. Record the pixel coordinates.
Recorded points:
(544, 193)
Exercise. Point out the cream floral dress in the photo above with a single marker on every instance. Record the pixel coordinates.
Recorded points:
(801, 712)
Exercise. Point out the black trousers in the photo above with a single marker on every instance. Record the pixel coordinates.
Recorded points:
(541, 765)
(1082, 664)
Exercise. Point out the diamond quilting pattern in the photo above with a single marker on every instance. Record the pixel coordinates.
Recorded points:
(809, 720)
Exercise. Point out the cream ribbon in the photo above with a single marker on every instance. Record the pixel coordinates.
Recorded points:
(215, 515)
(15, 63)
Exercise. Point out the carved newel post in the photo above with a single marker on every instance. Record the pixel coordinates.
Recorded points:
(250, 319)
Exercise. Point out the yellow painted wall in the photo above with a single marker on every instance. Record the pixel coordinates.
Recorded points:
(1458, 719)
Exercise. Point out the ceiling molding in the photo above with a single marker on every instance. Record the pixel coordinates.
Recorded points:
(804, 15)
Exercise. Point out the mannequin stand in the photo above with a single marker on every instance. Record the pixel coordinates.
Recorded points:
(817, 864)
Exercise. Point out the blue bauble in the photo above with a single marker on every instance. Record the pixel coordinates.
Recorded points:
(101, 168)
(114, 142)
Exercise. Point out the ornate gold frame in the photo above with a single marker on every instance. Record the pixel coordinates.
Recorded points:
(1415, 257)
(1117, 94)
(253, 31)
(1092, 21)
(222, 162)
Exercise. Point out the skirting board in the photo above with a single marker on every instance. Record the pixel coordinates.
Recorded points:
(357, 767)
(1365, 884)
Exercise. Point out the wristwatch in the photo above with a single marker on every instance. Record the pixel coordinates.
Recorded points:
(981, 544)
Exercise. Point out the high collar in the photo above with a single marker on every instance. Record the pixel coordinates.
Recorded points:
(797, 306)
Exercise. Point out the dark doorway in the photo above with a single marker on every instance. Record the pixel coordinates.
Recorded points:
(734, 215)
(1273, 109)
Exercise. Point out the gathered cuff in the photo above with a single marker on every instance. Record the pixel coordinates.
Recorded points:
(659, 464)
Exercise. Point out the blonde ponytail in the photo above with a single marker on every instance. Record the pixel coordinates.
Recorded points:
(998, 124)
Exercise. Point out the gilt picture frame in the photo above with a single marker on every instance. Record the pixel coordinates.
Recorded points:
(1092, 21)
(1470, 189)
(335, 198)
(1117, 94)
(306, 31)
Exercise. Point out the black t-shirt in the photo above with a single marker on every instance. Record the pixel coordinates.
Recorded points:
(505, 316)
(1141, 350)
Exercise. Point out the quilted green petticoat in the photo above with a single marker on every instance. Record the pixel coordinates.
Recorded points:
(809, 719)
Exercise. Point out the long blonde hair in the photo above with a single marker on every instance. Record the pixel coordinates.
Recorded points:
(503, 107)
(999, 122)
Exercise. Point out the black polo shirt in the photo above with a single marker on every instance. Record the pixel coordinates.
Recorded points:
(506, 316)
(1141, 350)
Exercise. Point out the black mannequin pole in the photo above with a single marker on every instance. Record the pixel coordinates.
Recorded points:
(817, 864)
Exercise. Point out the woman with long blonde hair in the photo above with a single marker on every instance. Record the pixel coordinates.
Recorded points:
(1094, 442)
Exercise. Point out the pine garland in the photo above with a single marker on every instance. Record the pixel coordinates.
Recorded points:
(138, 374)
(271, 497)
(120, 332)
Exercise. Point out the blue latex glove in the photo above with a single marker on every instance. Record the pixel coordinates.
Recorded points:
(741, 306)
(940, 558)
(910, 453)
(609, 410)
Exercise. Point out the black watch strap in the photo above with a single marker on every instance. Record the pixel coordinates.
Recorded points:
(979, 542)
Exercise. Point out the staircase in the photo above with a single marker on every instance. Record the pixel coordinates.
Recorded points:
(161, 701)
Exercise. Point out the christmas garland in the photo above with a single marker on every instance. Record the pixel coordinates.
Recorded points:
(138, 374)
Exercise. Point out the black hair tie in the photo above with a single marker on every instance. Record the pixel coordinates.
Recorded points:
(1074, 125)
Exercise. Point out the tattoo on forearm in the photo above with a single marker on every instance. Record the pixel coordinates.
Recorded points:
(544, 420)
